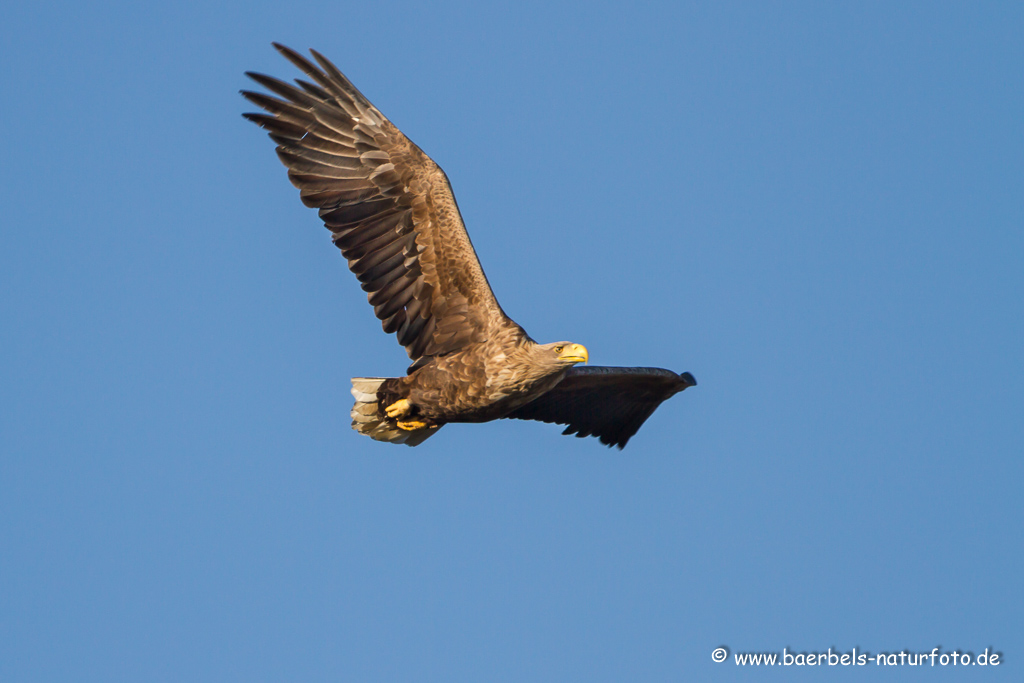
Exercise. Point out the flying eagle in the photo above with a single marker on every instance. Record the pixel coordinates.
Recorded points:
(391, 211)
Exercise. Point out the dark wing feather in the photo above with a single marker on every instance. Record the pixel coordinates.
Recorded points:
(609, 403)
(389, 206)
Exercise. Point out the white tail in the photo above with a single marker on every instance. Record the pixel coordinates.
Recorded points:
(367, 419)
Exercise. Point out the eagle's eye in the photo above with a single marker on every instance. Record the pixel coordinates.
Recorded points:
(558, 349)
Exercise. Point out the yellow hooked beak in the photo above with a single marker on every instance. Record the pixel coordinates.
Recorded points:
(574, 353)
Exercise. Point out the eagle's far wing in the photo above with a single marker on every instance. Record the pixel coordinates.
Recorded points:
(609, 403)
(389, 206)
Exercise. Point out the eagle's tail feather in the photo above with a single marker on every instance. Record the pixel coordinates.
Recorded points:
(368, 418)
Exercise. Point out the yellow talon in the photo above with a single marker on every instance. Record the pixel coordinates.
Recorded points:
(398, 408)
(412, 425)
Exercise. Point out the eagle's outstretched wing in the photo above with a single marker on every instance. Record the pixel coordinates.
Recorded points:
(389, 206)
(609, 403)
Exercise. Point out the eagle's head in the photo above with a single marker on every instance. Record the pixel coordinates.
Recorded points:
(565, 353)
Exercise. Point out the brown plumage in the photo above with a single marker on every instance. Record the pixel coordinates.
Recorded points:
(392, 213)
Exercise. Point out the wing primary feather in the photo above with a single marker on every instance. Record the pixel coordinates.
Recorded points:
(351, 195)
(324, 79)
(394, 322)
(300, 150)
(382, 296)
(314, 90)
(303, 64)
(363, 249)
(335, 75)
(368, 262)
(285, 90)
(397, 300)
(277, 126)
(412, 326)
(315, 143)
(274, 105)
(303, 164)
(305, 181)
(366, 230)
(382, 274)
(349, 215)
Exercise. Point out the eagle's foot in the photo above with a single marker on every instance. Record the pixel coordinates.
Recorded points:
(413, 425)
(399, 408)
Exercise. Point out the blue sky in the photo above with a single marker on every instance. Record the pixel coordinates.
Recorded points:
(815, 208)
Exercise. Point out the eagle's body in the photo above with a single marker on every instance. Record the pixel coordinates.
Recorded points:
(392, 213)
(479, 384)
